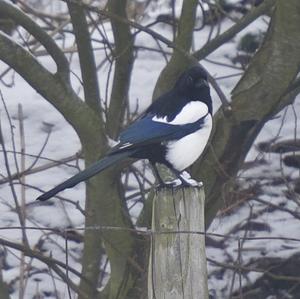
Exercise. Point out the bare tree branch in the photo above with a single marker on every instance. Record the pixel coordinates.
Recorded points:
(11, 184)
(255, 100)
(51, 262)
(236, 28)
(123, 56)
(58, 93)
(86, 57)
(180, 58)
(31, 170)
(11, 11)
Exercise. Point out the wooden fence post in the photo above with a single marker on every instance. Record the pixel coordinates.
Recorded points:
(177, 264)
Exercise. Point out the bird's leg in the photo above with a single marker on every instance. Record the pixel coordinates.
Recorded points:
(184, 182)
(156, 174)
(161, 183)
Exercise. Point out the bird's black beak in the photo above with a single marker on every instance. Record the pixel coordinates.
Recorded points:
(201, 83)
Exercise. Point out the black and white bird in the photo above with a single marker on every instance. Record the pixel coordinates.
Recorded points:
(173, 131)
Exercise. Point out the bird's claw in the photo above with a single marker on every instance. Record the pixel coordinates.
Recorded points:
(191, 183)
(169, 184)
(180, 183)
(187, 180)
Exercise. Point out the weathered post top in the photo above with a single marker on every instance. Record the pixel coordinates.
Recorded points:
(177, 264)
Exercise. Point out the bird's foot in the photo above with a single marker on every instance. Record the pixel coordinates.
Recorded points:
(187, 181)
(180, 183)
(169, 184)
(191, 183)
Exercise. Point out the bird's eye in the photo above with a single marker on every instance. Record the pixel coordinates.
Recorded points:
(189, 81)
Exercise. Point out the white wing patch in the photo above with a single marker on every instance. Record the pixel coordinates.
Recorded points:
(127, 144)
(190, 113)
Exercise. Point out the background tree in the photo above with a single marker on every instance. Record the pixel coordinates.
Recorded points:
(267, 85)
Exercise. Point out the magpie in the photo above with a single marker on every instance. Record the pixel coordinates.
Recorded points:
(173, 131)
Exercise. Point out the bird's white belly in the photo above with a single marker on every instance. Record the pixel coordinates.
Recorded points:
(184, 152)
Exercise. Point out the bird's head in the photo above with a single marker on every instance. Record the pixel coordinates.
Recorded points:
(193, 82)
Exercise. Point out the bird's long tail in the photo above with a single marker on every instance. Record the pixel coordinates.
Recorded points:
(86, 174)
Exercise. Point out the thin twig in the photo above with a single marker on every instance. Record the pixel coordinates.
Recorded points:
(19, 212)
(22, 181)
(67, 263)
(42, 167)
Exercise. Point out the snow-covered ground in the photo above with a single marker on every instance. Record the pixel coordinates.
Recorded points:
(40, 118)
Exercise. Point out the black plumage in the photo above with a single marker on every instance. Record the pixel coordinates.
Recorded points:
(160, 133)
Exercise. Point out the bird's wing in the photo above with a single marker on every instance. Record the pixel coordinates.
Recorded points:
(189, 113)
(146, 131)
